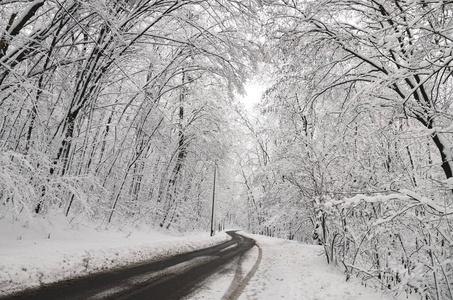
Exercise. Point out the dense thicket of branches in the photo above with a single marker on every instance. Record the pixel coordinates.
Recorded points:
(354, 142)
(116, 109)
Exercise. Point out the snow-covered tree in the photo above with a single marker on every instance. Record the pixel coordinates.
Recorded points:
(113, 108)
(360, 105)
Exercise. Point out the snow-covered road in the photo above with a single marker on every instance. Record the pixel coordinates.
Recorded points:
(171, 278)
(40, 253)
(288, 270)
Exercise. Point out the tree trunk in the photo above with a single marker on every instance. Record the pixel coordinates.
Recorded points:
(171, 186)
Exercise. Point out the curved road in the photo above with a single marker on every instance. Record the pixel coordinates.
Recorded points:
(172, 278)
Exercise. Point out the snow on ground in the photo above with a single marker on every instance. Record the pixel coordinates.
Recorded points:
(42, 251)
(52, 249)
(288, 270)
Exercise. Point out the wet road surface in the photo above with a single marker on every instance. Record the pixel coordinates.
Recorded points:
(171, 278)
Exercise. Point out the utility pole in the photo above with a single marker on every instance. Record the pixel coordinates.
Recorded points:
(213, 200)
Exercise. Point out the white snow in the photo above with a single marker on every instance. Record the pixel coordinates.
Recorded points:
(289, 270)
(449, 181)
(42, 251)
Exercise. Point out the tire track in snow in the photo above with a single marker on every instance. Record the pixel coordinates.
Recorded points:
(237, 286)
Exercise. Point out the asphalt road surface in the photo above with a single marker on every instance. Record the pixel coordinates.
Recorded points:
(172, 278)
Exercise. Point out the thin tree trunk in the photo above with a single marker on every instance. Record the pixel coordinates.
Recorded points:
(171, 186)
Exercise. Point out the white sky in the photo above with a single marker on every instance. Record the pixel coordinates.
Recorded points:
(254, 92)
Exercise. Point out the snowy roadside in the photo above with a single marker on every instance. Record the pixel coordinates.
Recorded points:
(288, 270)
(42, 252)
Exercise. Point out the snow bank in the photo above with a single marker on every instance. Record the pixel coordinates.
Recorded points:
(292, 270)
(48, 250)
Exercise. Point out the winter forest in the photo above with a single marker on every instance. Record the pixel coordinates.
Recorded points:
(124, 112)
